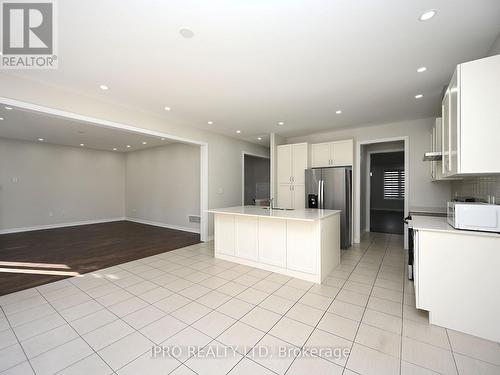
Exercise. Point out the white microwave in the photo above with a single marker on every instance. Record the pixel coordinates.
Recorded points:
(474, 216)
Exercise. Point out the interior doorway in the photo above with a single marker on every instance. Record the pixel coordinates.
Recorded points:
(256, 180)
(362, 170)
(387, 192)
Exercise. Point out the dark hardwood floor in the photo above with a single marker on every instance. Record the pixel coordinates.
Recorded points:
(82, 249)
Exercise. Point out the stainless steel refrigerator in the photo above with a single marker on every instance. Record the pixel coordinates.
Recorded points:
(331, 188)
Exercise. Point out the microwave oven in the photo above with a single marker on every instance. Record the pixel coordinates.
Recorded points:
(474, 216)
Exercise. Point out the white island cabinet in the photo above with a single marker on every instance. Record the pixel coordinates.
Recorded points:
(303, 243)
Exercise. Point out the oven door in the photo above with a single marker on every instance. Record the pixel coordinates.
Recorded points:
(411, 247)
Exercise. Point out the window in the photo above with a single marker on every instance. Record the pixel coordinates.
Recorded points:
(394, 184)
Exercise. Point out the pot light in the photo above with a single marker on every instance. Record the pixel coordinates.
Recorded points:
(428, 15)
(41, 139)
(82, 144)
(115, 149)
(163, 139)
(259, 138)
(167, 108)
(210, 123)
(338, 112)
(281, 123)
(144, 143)
(418, 96)
(1, 118)
(104, 87)
(238, 131)
(186, 33)
(128, 146)
(8, 108)
(421, 69)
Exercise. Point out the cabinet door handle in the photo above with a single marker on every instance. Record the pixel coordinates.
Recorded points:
(293, 187)
(293, 179)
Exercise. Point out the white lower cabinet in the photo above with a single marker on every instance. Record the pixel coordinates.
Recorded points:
(299, 196)
(291, 196)
(272, 242)
(299, 236)
(247, 245)
(285, 196)
(225, 235)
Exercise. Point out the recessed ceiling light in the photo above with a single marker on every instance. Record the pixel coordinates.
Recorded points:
(1, 118)
(186, 33)
(418, 96)
(115, 149)
(421, 69)
(210, 123)
(8, 108)
(338, 112)
(281, 123)
(144, 143)
(163, 139)
(167, 108)
(41, 139)
(104, 87)
(428, 15)
(82, 144)
(128, 146)
(259, 138)
(238, 131)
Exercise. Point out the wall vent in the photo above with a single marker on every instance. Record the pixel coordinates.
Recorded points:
(194, 218)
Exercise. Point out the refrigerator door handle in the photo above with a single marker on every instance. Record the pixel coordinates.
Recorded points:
(322, 191)
(319, 194)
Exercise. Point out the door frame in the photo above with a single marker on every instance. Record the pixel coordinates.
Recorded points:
(369, 182)
(243, 153)
(93, 121)
(357, 182)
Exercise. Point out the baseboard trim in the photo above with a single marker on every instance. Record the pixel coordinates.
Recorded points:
(60, 225)
(163, 225)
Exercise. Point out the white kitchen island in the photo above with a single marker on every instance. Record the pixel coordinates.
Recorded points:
(302, 243)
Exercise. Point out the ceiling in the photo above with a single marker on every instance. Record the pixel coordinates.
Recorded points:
(32, 126)
(253, 64)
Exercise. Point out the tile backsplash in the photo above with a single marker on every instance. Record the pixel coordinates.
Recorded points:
(478, 187)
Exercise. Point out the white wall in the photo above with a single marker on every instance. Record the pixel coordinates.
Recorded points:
(163, 185)
(224, 153)
(43, 184)
(422, 192)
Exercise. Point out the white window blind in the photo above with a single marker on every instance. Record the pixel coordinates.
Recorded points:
(394, 184)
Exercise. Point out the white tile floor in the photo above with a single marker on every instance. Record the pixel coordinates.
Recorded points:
(107, 322)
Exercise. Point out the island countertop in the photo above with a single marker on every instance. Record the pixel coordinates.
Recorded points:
(303, 214)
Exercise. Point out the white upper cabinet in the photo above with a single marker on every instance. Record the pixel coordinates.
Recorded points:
(284, 164)
(291, 163)
(299, 163)
(321, 154)
(471, 119)
(332, 154)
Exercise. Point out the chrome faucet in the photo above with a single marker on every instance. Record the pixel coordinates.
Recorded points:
(271, 203)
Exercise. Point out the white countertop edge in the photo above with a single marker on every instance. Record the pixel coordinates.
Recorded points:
(278, 214)
(440, 224)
